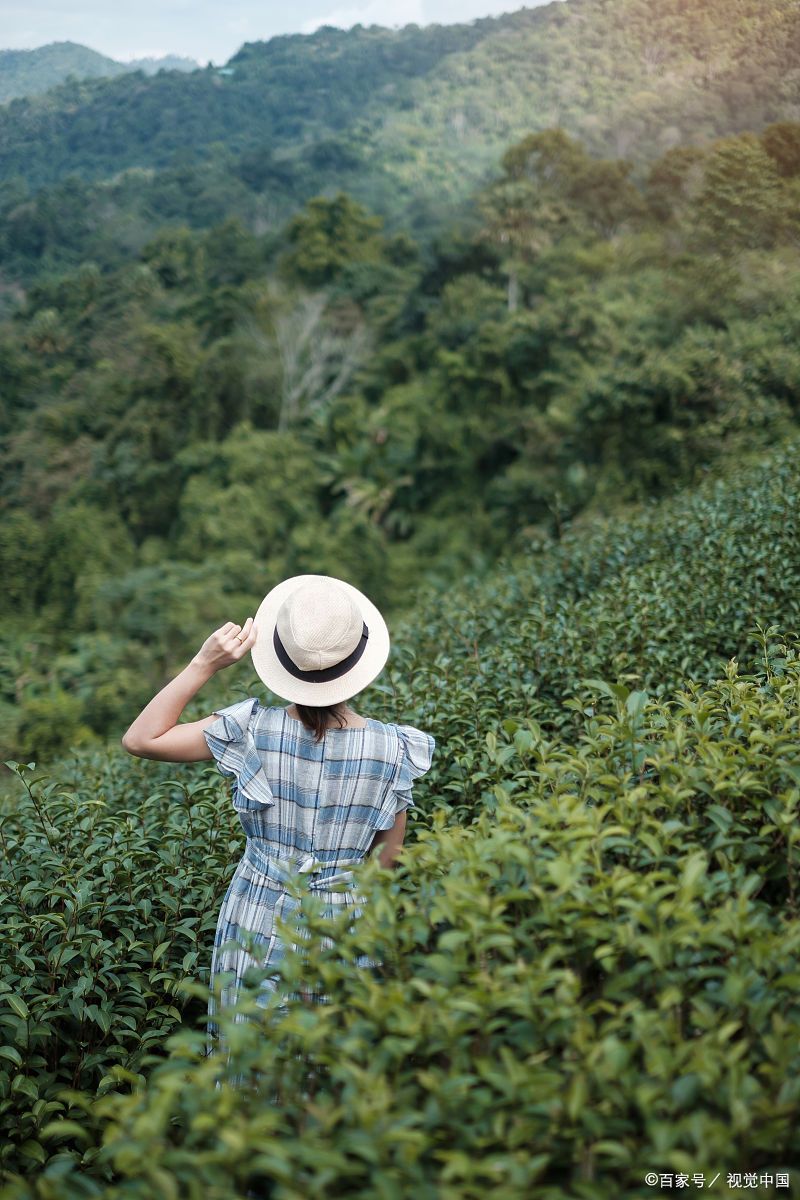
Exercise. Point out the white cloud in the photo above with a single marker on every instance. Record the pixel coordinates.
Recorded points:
(129, 57)
(375, 12)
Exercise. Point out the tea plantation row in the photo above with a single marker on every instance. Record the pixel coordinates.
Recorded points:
(590, 956)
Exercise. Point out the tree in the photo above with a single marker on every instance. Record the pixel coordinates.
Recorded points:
(231, 253)
(551, 187)
(782, 143)
(22, 558)
(175, 255)
(603, 193)
(739, 203)
(249, 496)
(317, 360)
(673, 179)
(328, 235)
(525, 210)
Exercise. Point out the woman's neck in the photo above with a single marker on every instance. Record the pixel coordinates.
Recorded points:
(347, 714)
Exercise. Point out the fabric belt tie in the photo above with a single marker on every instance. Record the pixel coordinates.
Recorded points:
(282, 868)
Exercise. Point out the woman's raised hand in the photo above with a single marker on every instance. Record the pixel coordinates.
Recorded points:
(226, 645)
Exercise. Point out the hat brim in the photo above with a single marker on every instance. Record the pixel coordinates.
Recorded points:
(280, 681)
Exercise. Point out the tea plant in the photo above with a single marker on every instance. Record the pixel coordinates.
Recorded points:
(589, 955)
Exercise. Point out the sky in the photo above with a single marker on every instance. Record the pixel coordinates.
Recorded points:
(213, 30)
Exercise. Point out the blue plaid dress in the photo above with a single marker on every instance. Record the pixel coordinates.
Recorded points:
(307, 809)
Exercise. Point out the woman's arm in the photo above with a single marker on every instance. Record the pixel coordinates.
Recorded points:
(156, 733)
(390, 841)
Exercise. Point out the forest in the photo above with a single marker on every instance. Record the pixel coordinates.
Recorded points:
(408, 122)
(32, 72)
(229, 408)
(500, 322)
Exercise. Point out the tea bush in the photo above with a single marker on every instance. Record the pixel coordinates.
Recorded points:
(671, 592)
(108, 900)
(589, 956)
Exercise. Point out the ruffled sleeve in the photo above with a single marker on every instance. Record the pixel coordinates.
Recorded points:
(414, 759)
(231, 741)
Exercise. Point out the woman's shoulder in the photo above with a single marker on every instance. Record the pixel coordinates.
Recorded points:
(248, 710)
(404, 727)
(410, 740)
(251, 713)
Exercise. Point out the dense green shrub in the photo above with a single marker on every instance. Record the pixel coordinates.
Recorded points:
(665, 592)
(595, 979)
(588, 957)
(108, 898)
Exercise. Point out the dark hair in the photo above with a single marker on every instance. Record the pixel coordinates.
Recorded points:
(317, 718)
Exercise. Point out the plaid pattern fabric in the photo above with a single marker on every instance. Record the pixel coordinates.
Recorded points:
(309, 811)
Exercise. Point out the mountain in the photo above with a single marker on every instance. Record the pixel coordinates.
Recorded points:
(167, 62)
(409, 122)
(421, 114)
(32, 72)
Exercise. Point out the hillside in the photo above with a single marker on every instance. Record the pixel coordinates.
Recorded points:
(586, 962)
(581, 343)
(410, 120)
(32, 72)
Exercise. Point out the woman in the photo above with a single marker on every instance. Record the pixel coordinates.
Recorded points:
(316, 785)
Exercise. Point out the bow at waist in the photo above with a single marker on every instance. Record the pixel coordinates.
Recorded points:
(282, 866)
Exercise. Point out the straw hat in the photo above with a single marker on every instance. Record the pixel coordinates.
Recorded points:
(319, 640)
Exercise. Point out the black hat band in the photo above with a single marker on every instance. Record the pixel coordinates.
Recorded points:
(326, 673)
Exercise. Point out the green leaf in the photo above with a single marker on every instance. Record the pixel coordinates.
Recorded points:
(18, 1004)
(694, 869)
(635, 704)
(22, 1083)
(600, 685)
(161, 950)
(61, 1129)
(452, 939)
(34, 1150)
